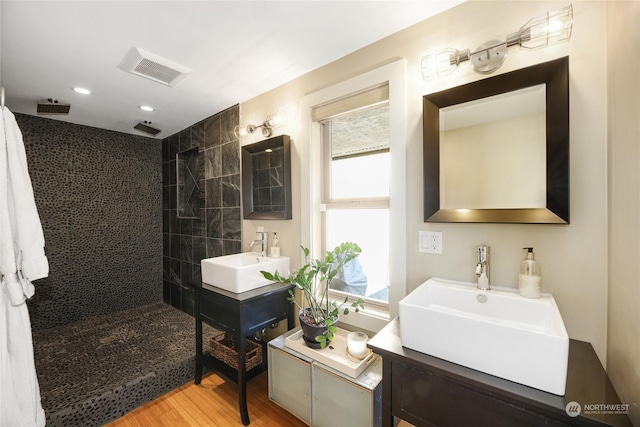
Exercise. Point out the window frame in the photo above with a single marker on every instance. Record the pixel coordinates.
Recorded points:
(393, 74)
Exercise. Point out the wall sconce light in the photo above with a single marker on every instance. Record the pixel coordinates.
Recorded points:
(554, 27)
(272, 121)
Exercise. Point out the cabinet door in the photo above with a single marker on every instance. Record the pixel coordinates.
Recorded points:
(335, 398)
(290, 383)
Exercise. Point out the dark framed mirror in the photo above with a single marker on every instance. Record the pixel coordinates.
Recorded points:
(266, 179)
(488, 143)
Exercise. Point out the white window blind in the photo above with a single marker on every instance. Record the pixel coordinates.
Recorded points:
(353, 102)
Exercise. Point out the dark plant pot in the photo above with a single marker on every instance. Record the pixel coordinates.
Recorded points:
(311, 331)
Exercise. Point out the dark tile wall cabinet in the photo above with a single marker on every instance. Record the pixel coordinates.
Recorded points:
(206, 221)
(266, 179)
(98, 194)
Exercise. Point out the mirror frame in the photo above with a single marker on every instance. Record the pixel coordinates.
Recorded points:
(247, 177)
(555, 75)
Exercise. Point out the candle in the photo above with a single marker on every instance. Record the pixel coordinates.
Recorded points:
(357, 344)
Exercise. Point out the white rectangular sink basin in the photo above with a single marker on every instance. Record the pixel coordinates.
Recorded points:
(512, 337)
(239, 273)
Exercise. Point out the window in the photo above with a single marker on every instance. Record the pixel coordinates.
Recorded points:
(355, 198)
(324, 106)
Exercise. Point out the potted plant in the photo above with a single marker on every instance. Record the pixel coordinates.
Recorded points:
(319, 316)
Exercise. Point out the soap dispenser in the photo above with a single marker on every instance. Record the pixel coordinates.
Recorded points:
(530, 279)
(275, 246)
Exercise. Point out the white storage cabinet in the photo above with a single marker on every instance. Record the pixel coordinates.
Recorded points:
(319, 395)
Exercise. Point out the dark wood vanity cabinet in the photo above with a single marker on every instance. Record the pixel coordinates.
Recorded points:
(239, 315)
(427, 391)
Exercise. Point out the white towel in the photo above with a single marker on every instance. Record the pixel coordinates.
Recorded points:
(22, 260)
(27, 230)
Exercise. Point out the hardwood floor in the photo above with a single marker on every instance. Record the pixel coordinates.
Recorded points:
(213, 403)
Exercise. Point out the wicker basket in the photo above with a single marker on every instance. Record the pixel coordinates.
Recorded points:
(223, 348)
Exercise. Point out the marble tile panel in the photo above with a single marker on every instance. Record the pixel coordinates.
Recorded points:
(174, 146)
(199, 249)
(232, 247)
(231, 158)
(231, 191)
(213, 193)
(213, 162)
(214, 247)
(214, 223)
(185, 139)
(175, 271)
(172, 172)
(197, 135)
(166, 268)
(229, 119)
(212, 131)
(231, 224)
(175, 246)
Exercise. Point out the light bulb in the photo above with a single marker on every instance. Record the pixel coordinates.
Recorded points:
(240, 131)
(554, 27)
(275, 120)
(442, 63)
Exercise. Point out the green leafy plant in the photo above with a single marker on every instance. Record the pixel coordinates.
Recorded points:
(313, 280)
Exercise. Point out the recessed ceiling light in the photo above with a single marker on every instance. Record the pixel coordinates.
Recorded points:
(82, 90)
(146, 108)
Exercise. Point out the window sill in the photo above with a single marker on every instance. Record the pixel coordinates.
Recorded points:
(371, 319)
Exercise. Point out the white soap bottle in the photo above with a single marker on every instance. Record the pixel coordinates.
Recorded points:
(275, 246)
(530, 279)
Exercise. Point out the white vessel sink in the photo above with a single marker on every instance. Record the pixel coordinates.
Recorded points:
(241, 272)
(512, 337)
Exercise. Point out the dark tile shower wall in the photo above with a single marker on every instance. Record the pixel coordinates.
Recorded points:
(216, 228)
(98, 194)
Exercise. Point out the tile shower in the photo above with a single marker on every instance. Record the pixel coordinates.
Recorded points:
(117, 249)
(206, 221)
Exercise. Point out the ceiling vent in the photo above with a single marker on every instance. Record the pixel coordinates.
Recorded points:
(153, 67)
(144, 127)
(52, 106)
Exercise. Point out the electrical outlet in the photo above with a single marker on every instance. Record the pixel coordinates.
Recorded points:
(430, 242)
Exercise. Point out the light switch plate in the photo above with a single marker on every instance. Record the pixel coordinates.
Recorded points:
(430, 242)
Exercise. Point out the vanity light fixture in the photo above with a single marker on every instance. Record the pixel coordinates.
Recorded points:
(272, 121)
(552, 28)
(146, 108)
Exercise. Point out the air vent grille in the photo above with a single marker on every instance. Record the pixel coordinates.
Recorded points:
(154, 67)
(156, 71)
(45, 108)
(147, 129)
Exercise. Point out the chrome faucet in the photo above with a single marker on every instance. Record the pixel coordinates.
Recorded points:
(482, 269)
(261, 237)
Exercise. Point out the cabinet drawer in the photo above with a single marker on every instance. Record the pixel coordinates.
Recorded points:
(424, 398)
(290, 383)
(265, 311)
(219, 312)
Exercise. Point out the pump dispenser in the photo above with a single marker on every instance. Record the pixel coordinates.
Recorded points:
(530, 278)
(275, 246)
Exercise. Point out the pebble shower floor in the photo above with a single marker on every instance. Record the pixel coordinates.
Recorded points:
(94, 371)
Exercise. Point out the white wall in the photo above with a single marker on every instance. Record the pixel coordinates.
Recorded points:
(623, 344)
(573, 257)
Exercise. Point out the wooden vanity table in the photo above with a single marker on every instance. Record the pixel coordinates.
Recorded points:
(426, 390)
(240, 315)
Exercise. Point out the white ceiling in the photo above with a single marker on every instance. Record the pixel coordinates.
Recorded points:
(236, 49)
